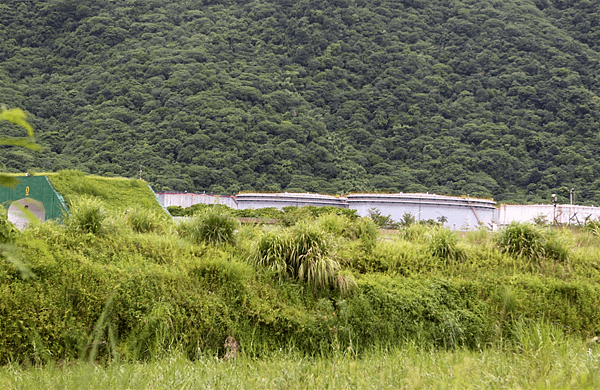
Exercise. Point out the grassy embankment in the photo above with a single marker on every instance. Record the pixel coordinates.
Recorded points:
(124, 287)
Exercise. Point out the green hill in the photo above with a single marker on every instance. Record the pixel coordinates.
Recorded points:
(488, 98)
(117, 194)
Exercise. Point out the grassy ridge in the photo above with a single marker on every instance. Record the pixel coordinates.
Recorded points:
(130, 291)
(115, 193)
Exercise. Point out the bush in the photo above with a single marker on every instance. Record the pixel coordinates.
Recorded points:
(383, 221)
(176, 211)
(367, 232)
(416, 233)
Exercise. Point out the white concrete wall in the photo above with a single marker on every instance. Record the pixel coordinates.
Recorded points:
(458, 217)
(564, 213)
(186, 200)
(460, 214)
(280, 200)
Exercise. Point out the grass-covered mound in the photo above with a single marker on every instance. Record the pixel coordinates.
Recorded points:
(115, 193)
(136, 286)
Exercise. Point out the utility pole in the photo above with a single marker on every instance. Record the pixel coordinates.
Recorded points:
(140, 172)
(571, 195)
(554, 199)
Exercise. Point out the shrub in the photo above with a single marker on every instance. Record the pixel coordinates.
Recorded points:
(383, 221)
(337, 225)
(177, 211)
(363, 229)
(87, 215)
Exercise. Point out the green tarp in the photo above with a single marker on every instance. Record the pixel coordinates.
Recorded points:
(37, 194)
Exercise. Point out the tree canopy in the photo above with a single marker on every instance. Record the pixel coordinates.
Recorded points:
(487, 98)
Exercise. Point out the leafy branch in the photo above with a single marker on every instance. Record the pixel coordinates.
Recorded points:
(19, 118)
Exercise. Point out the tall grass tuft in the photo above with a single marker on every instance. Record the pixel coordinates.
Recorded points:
(443, 244)
(346, 283)
(527, 241)
(272, 250)
(87, 215)
(146, 221)
(302, 253)
(210, 228)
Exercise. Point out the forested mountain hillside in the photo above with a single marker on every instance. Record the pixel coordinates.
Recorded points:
(490, 98)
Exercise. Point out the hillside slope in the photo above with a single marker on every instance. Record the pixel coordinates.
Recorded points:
(488, 98)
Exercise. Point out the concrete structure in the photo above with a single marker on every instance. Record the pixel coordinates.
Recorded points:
(186, 200)
(458, 212)
(562, 213)
(280, 200)
(36, 195)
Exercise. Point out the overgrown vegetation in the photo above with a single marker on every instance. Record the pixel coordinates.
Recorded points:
(108, 288)
(545, 359)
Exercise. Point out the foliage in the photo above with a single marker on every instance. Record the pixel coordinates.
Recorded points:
(146, 221)
(489, 99)
(87, 215)
(407, 220)
(17, 117)
(176, 211)
(8, 231)
(383, 221)
(211, 227)
(443, 244)
(530, 242)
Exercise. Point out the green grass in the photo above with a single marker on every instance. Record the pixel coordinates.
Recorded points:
(555, 364)
(118, 194)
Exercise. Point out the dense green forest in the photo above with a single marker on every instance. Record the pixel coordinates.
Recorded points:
(490, 98)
